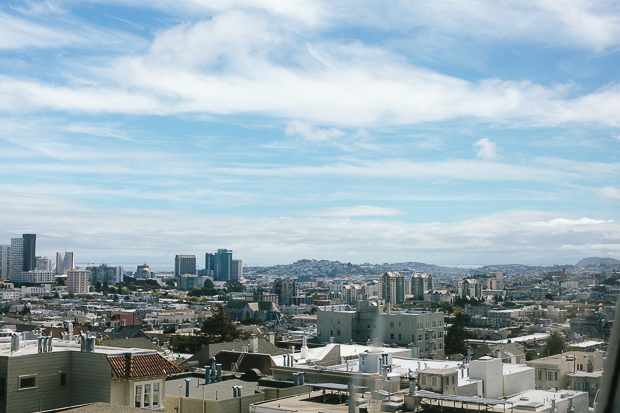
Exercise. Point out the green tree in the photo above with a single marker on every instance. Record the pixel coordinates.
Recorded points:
(549, 296)
(234, 286)
(455, 340)
(462, 319)
(554, 344)
(216, 329)
(208, 283)
(98, 286)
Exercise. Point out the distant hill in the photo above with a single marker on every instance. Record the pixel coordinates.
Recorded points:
(593, 261)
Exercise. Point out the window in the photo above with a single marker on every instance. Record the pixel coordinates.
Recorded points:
(391, 324)
(62, 379)
(338, 333)
(319, 321)
(419, 337)
(392, 336)
(434, 381)
(400, 337)
(331, 332)
(338, 322)
(413, 337)
(147, 394)
(419, 325)
(423, 380)
(331, 321)
(27, 382)
(434, 323)
(440, 346)
(367, 325)
(399, 325)
(427, 336)
(428, 324)
(412, 325)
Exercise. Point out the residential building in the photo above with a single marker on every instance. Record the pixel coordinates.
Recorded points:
(184, 264)
(105, 273)
(553, 371)
(392, 287)
(421, 283)
(285, 289)
(77, 281)
(368, 324)
(442, 381)
(586, 381)
(64, 262)
(470, 288)
(43, 264)
(54, 374)
(188, 281)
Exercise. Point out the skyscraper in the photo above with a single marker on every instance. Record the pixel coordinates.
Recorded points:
(30, 247)
(237, 269)
(64, 262)
(4, 261)
(223, 265)
(421, 284)
(184, 264)
(23, 262)
(285, 290)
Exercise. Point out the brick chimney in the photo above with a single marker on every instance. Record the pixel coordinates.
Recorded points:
(128, 364)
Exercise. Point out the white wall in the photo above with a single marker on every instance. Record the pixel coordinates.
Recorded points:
(519, 381)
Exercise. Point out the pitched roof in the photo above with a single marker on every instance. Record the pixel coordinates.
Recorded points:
(128, 318)
(56, 331)
(142, 365)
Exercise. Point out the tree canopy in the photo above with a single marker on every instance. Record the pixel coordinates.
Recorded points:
(216, 329)
(554, 344)
(455, 340)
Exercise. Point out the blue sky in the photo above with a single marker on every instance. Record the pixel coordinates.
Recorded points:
(448, 132)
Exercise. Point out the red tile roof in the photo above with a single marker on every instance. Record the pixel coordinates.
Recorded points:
(142, 365)
(128, 319)
(56, 331)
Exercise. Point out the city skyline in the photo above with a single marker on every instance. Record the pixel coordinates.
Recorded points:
(437, 133)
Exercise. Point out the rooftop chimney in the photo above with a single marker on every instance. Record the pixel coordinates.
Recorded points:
(128, 364)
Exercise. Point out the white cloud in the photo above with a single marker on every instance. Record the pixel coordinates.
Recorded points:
(609, 192)
(312, 133)
(132, 235)
(486, 149)
(355, 211)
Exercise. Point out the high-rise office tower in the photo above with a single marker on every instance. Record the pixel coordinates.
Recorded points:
(30, 246)
(237, 269)
(16, 259)
(210, 264)
(23, 262)
(77, 281)
(64, 262)
(223, 265)
(184, 264)
(4, 261)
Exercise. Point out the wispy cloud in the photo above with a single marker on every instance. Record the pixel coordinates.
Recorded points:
(609, 192)
(312, 133)
(355, 211)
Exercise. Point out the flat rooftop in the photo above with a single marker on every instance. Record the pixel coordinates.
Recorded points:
(28, 347)
(316, 403)
(219, 390)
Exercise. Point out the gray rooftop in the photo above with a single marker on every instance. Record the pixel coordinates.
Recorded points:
(223, 388)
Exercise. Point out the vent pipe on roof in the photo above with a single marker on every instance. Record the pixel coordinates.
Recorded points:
(207, 375)
(295, 379)
(15, 342)
(302, 378)
(187, 382)
(219, 372)
(234, 388)
(49, 343)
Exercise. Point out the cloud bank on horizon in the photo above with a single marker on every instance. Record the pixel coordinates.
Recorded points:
(357, 131)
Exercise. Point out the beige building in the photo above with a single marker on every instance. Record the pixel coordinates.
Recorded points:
(77, 281)
(392, 287)
(553, 372)
(371, 323)
(442, 381)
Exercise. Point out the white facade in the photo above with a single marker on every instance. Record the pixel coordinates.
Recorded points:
(64, 262)
(77, 281)
(489, 370)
